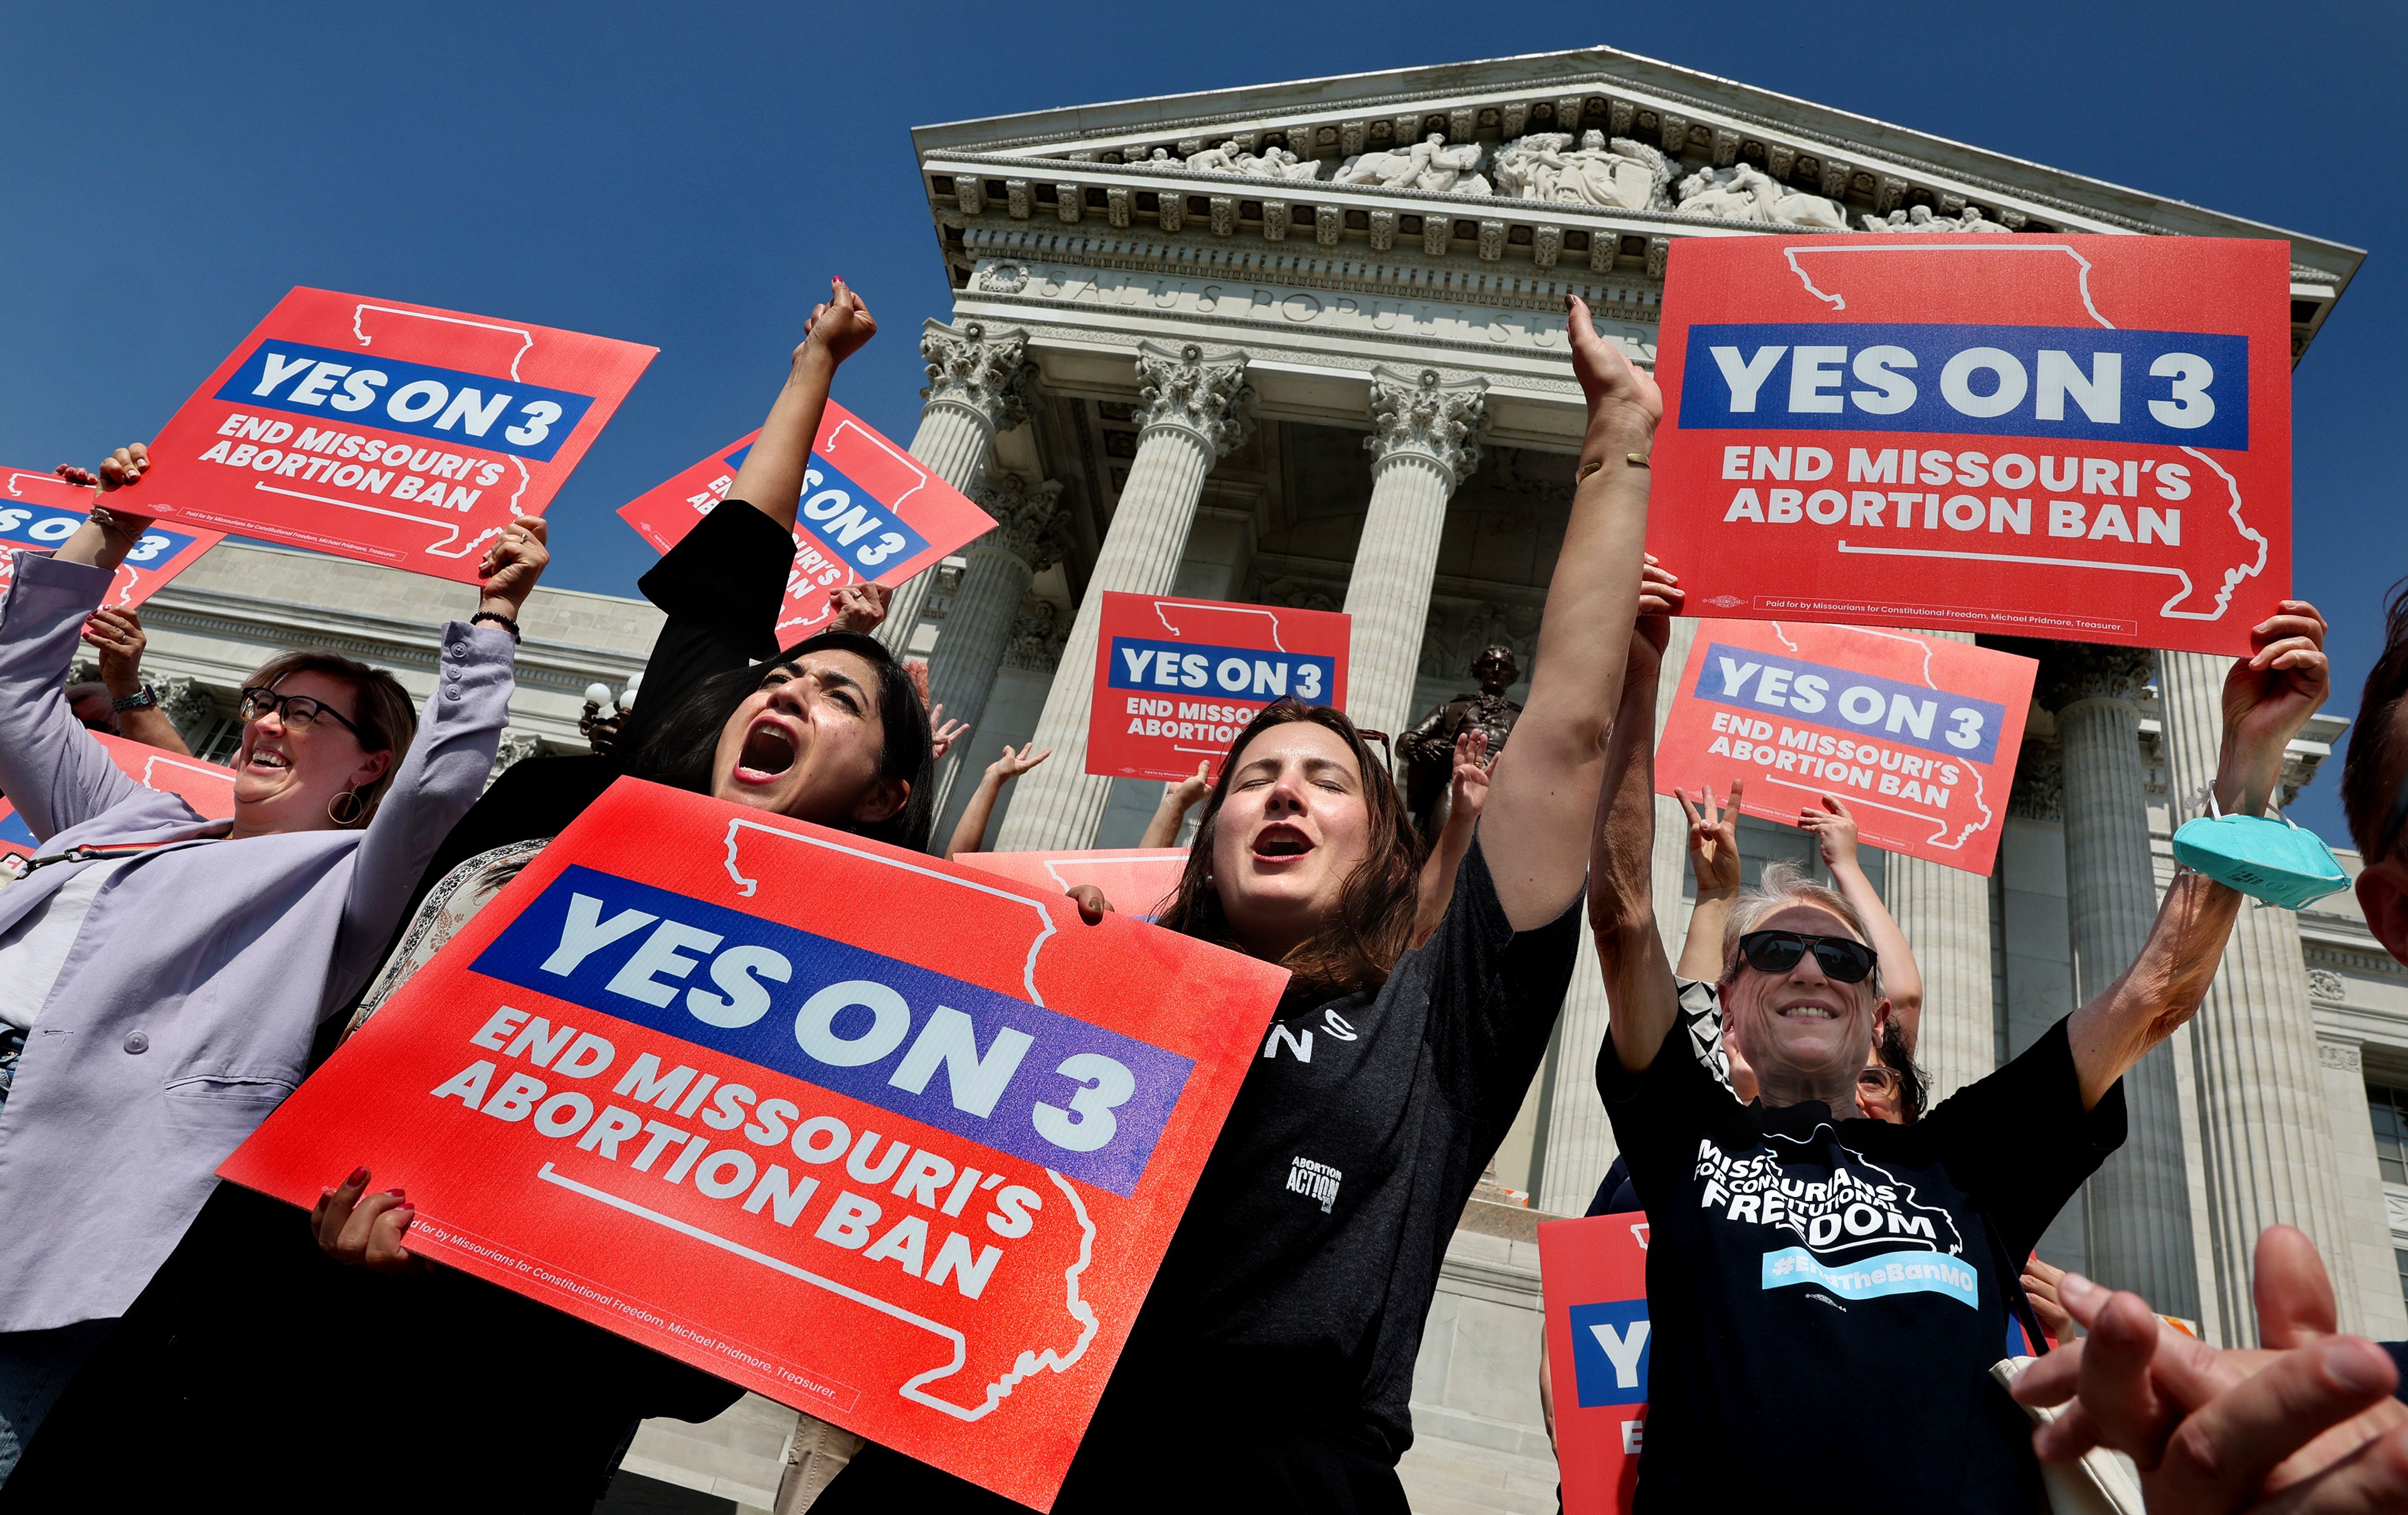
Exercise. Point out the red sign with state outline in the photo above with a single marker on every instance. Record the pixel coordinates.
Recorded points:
(1917, 735)
(396, 434)
(39, 511)
(870, 513)
(1593, 1284)
(2080, 437)
(1139, 880)
(702, 1076)
(207, 787)
(1177, 678)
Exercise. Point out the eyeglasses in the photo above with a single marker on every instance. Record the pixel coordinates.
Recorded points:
(1369, 736)
(1877, 1081)
(1842, 959)
(298, 712)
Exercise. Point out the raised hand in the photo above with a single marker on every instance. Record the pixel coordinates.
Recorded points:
(944, 733)
(1661, 596)
(117, 637)
(858, 607)
(1189, 791)
(1834, 828)
(2269, 694)
(511, 566)
(364, 1230)
(1714, 839)
(1469, 783)
(839, 325)
(1623, 405)
(1012, 765)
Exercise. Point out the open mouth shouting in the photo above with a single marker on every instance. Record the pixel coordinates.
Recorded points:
(769, 751)
(1280, 842)
(267, 761)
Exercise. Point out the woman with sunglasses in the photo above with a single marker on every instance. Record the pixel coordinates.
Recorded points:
(1271, 1368)
(161, 974)
(1794, 1243)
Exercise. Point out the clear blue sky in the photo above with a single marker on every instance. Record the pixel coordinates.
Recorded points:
(688, 175)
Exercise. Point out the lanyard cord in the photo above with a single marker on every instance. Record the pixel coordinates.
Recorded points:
(19, 866)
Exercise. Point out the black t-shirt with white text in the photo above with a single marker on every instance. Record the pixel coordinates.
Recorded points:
(1827, 1297)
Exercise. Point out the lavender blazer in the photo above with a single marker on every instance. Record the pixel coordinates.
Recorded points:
(185, 1010)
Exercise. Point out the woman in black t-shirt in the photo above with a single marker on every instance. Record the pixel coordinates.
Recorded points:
(1270, 1366)
(1828, 1292)
(243, 1355)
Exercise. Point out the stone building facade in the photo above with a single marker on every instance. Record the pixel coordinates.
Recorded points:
(1302, 344)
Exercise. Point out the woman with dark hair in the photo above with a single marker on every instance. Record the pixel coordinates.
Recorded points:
(1270, 1366)
(830, 730)
(162, 975)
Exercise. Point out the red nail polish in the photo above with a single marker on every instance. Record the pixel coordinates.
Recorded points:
(394, 1192)
(359, 1174)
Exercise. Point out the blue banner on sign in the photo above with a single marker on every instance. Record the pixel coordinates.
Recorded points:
(1610, 1349)
(1881, 710)
(851, 524)
(41, 526)
(1045, 1087)
(1237, 673)
(444, 405)
(2079, 384)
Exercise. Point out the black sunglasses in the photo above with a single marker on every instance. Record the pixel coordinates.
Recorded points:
(1842, 959)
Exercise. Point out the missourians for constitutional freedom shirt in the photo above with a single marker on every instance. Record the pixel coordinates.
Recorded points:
(1826, 1296)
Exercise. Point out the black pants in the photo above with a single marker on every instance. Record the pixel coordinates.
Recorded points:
(1243, 1467)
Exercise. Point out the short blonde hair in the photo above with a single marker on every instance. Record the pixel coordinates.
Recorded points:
(1782, 885)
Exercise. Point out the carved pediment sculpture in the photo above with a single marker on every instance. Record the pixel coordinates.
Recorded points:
(1745, 192)
(1920, 218)
(1224, 158)
(1622, 175)
(1429, 164)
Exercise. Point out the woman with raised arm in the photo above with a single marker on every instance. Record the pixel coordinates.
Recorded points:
(1797, 1243)
(1270, 1366)
(162, 975)
(830, 730)
(970, 833)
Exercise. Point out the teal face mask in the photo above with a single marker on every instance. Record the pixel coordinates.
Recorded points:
(2273, 861)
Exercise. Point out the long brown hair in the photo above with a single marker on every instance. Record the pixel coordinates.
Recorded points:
(1358, 946)
(382, 717)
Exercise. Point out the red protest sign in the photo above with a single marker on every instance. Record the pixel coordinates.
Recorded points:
(708, 1077)
(41, 510)
(870, 513)
(1139, 880)
(207, 787)
(1176, 680)
(1917, 735)
(1593, 1277)
(2082, 437)
(391, 432)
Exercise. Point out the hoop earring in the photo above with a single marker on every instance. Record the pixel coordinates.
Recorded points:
(352, 813)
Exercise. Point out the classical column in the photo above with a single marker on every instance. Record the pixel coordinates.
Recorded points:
(2138, 1202)
(1192, 407)
(977, 628)
(1944, 914)
(978, 385)
(1577, 1137)
(1422, 447)
(2263, 1121)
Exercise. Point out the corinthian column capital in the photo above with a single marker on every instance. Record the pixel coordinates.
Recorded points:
(1203, 393)
(986, 374)
(2075, 671)
(1426, 416)
(1024, 516)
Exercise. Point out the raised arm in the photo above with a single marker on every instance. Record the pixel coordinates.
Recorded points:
(1835, 829)
(1470, 783)
(117, 637)
(2268, 698)
(1543, 792)
(1713, 862)
(772, 478)
(970, 833)
(1170, 812)
(1642, 1001)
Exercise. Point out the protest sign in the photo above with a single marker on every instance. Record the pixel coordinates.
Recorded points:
(1593, 1281)
(1176, 680)
(39, 511)
(2081, 438)
(391, 432)
(207, 787)
(1139, 880)
(1917, 735)
(870, 513)
(708, 1077)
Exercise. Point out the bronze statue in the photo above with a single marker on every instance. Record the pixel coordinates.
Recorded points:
(1427, 751)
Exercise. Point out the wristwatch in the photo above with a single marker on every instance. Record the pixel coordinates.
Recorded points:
(147, 700)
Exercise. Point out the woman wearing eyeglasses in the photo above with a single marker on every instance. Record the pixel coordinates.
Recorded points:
(1796, 1244)
(161, 974)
